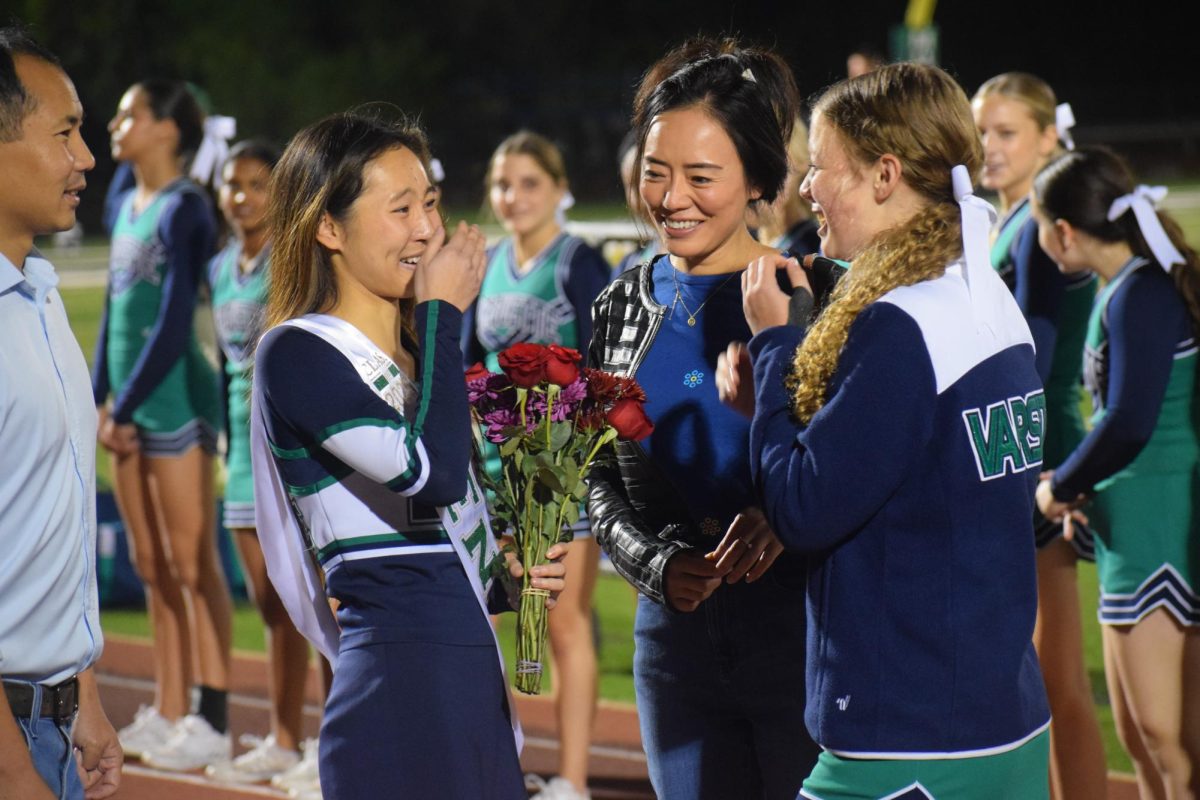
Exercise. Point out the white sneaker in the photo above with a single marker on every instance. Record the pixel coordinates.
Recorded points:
(148, 729)
(264, 760)
(193, 744)
(557, 788)
(305, 774)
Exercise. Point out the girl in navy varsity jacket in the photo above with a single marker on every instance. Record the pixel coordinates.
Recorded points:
(364, 490)
(898, 444)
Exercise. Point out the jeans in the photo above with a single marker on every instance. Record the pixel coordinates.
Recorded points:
(53, 755)
(720, 692)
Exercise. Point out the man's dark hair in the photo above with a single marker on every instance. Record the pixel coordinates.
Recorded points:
(15, 102)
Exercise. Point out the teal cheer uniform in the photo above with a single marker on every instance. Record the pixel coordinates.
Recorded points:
(147, 354)
(239, 302)
(1056, 306)
(1142, 457)
(548, 303)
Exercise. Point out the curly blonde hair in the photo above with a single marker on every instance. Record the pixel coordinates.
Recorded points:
(919, 114)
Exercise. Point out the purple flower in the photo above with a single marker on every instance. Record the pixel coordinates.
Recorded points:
(572, 394)
(565, 402)
(491, 391)
(497, 421)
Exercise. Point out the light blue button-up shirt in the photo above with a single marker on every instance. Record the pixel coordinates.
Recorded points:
(49, 612)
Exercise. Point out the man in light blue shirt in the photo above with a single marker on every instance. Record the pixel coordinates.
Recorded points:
(49, 620)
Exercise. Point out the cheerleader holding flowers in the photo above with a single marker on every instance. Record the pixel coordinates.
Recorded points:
(364, 489)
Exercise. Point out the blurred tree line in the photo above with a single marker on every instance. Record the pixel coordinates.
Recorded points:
(474, 71)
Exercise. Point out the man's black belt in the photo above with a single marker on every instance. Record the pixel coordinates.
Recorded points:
(59, 703)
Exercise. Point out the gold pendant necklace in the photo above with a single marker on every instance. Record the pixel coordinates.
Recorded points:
(691, 319)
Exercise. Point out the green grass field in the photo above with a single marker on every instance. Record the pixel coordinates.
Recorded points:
(614, 602)
(614, 599)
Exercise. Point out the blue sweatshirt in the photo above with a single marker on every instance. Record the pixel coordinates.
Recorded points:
(911, 490)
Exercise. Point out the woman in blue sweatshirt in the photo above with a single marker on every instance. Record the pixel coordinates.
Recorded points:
(898, 444)
(1141, 460)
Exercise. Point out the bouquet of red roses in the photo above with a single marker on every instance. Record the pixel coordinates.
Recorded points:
(550, 418)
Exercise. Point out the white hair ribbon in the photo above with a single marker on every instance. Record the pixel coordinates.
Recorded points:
(214, 149)
(436, 170)
(978, 217)
(1142, 200)
(748, 75)
(1064, 120)
(566, 203)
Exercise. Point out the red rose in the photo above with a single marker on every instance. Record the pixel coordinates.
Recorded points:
(524, 364)
(477, 371)
(562, 365)
(629, 418)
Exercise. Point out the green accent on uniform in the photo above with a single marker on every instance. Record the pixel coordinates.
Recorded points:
(996, 442)
(357, 422)
(428, 358)
(381, 383)
(1019, 773)
(1029, 417)
(239, 303)
(1145, 515)
(1001, 254)
(313, 488)
(382, 540)
(393, 370)
(1065, 428)
(402, 481)
(294, 455)
(137, 269)
(476, 546)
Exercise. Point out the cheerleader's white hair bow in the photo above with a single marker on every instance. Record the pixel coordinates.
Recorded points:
(564, 205)
(978, 216)
(214, 149)
(1064, 121)
(1142, 200)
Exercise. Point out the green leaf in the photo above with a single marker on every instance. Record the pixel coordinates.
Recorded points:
(528, 467)
(509, 447)
(560, 434)
(570, 471)
(570, 513)
(551, 480)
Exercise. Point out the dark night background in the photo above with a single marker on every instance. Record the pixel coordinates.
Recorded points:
(476, 70)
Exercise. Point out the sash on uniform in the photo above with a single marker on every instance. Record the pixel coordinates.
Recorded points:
(289, 560)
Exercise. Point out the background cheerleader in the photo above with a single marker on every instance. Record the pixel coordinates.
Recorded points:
(1016, 116)
(161, 423)
(1141, 460)
(539, 287)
